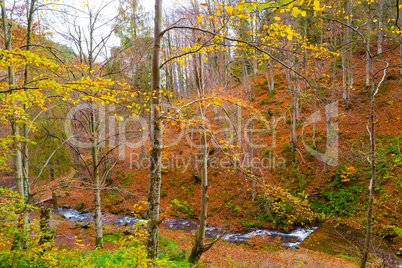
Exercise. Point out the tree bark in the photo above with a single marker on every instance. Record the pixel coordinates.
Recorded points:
(366, 87)
(373, 172)
(96, 179)
(46, 226)
(156, 140)
(380, 37)
(199, 246)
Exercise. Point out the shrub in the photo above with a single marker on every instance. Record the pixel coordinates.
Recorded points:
(266, 153)
(170, 249)
(286, 149)
(11, 204)
(132, 253)
(341, 197)
(266, 101)
(286, 209)
(181, 209)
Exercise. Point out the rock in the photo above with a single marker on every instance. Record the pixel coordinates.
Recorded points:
(86, 210)
(65, 206)
(84, 225)
(127, 232)
(80, 206)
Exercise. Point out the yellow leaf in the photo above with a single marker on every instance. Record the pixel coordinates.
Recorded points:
(199, 19)
(316, 5)
(303, 13)
(229, 10)
(277, 18)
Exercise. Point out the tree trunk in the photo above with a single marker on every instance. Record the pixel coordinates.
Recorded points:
(350, 51)
(344, 75)
(199, 246)
(46, 226)
(380, 39)
(366, 87)
(156, 141)
(314, 118)
(373, 172)
(269, 73)
(51, 172)
(96, 179)
(54, 201)
(25, 154)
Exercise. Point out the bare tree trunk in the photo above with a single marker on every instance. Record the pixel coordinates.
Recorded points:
(254, 186)
(344, 75)
(156, 141)
(199, 246)
(314, 119)
(54, 201)
(380, 38)
(294, 136)
(400, 54)
(269, 73)
(96, 179)
(350, 54)
(46, 226)
(366, 87)
(373, 180)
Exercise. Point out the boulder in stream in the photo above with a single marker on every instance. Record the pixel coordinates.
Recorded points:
(84, 225)
(80, 206)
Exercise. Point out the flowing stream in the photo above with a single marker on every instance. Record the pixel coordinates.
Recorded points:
(289, 240)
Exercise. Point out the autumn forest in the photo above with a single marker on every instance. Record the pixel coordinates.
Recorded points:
(227, 133)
